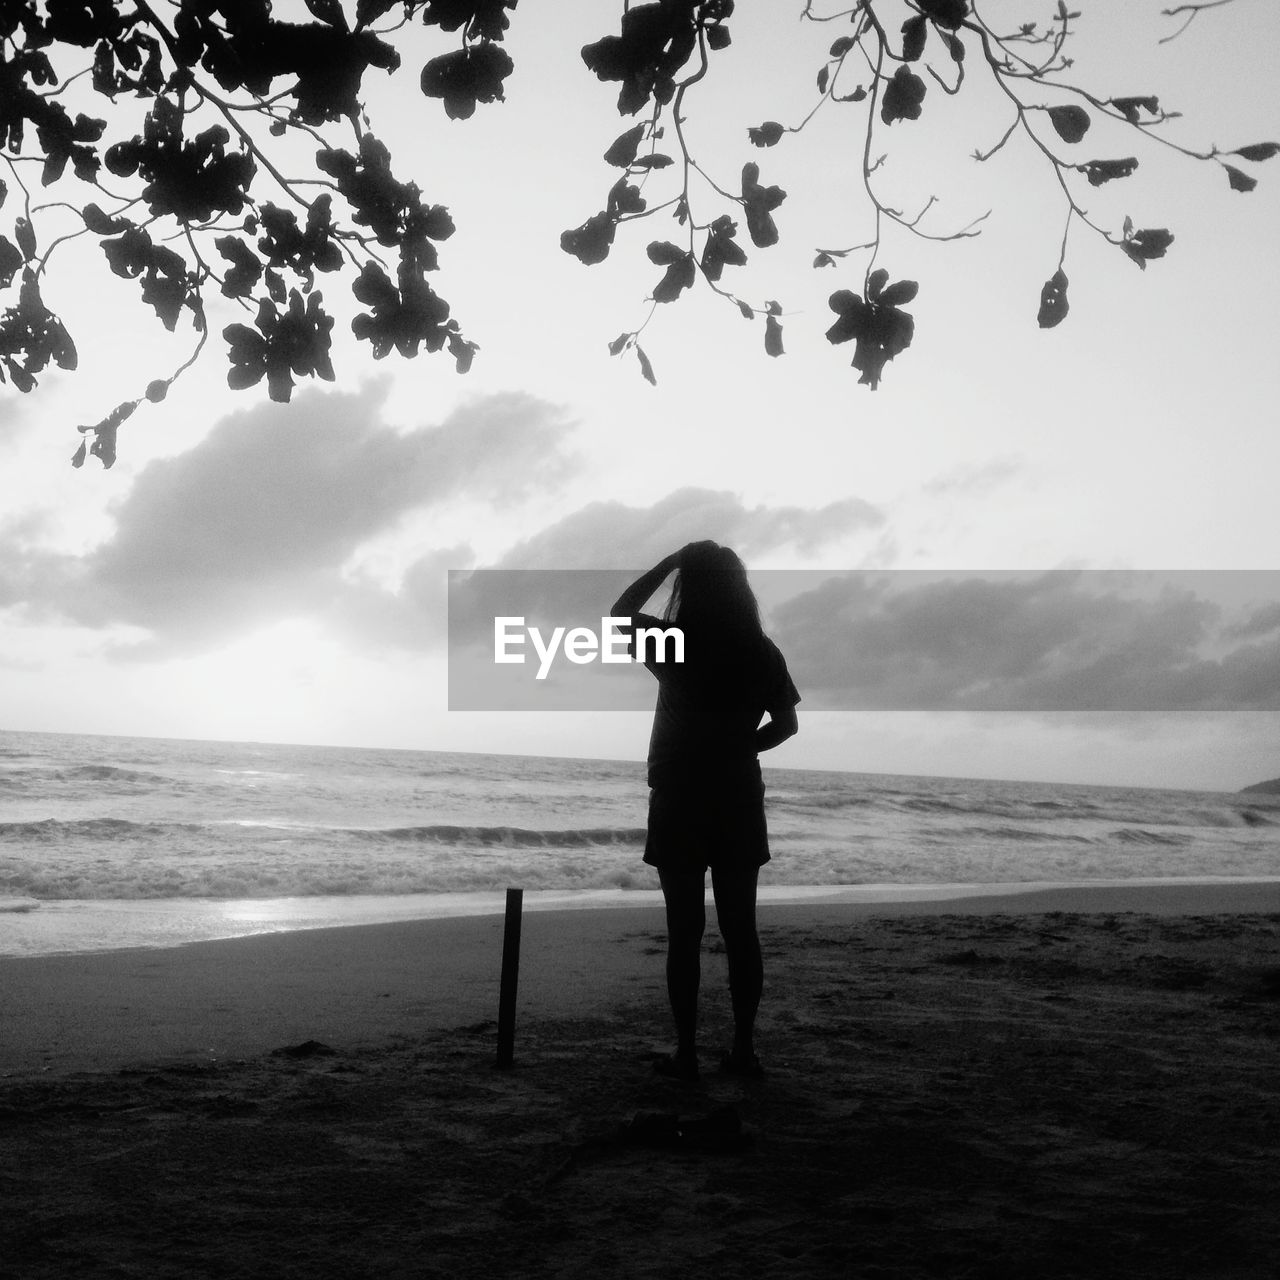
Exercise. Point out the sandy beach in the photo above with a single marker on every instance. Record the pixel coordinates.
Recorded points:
(1069, 1082)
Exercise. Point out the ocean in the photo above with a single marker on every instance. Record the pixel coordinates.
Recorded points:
(114, 841)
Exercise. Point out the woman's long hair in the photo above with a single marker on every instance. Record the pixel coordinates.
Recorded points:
(713, 604)
(711, 594)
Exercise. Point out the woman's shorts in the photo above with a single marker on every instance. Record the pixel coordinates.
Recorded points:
(702, 823)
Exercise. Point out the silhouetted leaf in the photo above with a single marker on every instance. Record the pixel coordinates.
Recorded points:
(104, 435)
(1053, 300)
(245, 270)
(1257, 151)
(680, 272)
(402, 316)
(718, 37)
(767, 134)
(370, 10)
(645, 367)
(10, 261)
(306, 251)
(484, 18)
(879, 332)
(1071, 123)
(722, 249)
(591, 242)
(654, 161)
(824, 75)
(466, 77)
(1132, 108)
(462, 350)
(622, 150)
(247, 356)
(946, 13)
(902, 96)
(1239, 180)
(1100, 171)
(663, 253)
(31, 336)
(772, 336)
(760, 203)
(329, 11)
(625, 197)
(914, 32)
(104, 447)
(655, 41)
(275, 286)
(842, 46)
(25, 235)
(101, 223)
(618, 345)
(899, 293)
(1143, 246)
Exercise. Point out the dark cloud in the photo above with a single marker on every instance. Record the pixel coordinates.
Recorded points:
(1262, 621)
(1056, 641)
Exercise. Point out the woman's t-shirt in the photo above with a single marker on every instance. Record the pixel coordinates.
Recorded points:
(710, 706)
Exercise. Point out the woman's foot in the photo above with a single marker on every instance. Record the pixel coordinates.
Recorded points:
(677, 1066)
(741, 1062)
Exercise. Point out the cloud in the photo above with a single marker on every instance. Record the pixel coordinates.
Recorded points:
(413, 617)
(258, 522)
(1056, 641)
(255, 522)
(611, 535)
(1261, 622)
(570, 572)
(973, 478)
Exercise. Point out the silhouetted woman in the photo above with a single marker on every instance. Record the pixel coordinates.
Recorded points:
(706, 800)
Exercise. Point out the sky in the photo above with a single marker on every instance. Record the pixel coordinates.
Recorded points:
(262, 572)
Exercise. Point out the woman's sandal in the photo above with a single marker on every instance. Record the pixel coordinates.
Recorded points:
(748, 1065)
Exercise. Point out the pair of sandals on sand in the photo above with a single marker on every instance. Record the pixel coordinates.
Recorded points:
(732, 1063)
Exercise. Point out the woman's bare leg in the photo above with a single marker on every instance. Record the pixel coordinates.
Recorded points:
(684, 892)
(735, 895)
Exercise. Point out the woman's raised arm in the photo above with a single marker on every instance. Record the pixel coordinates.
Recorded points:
(629, 602)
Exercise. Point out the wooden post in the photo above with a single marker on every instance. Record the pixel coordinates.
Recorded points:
(510, 978)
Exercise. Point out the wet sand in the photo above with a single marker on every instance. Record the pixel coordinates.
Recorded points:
(1069, 1083)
